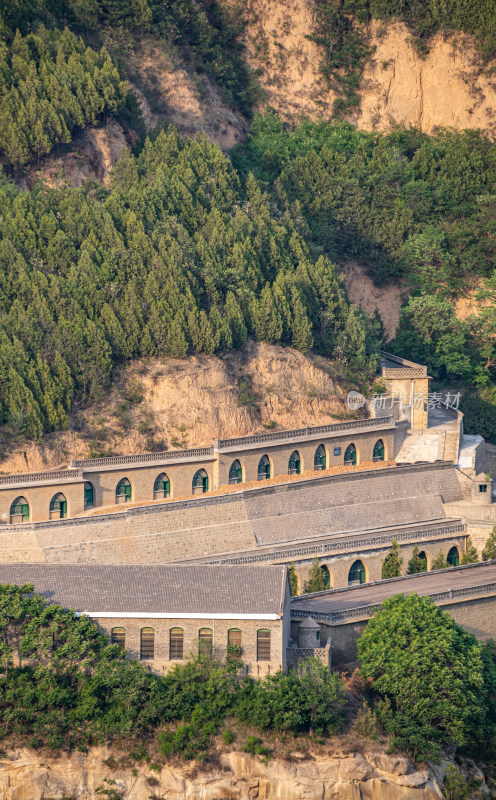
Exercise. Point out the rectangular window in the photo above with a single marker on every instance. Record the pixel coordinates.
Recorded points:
(118, 636)
(337, 451)
(205, 642)
(176, 644)
(482, 487)
(263, 645)
(147, 643)
(234, 638)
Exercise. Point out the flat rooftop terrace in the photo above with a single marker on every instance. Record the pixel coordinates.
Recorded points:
(447, 582)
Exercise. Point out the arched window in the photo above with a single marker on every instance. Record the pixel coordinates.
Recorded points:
(123, 491)
(294, 463)
(176, 644)
(235, 473)
(200, 482)
(161, 487)
(350, 455)
(319, 459)
(264, 468)
(19, 510)
(263, 645)
(357, 573)
(205, 641)
(234, 638)
(423, 558)
(327, 576)
(453, 557)
(58, 506)
(118, 636)
(378, 454)
(147, 643)
(89, 495)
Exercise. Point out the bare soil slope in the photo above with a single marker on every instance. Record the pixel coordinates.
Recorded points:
(183, 403)
(446, 89)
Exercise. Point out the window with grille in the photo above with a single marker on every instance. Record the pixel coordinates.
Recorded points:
(19, 510)
(264, 468)
(234, 638)
(350, 456)
(235, 473)
(357, 573)
(200, 480)
(263, 645)
(147, 649)
(205, 642)
(378, 454)
(123, 489)
(319, 460)
(59, 503)
(118, 636)
(162, 486)
(294, 463)
(176, 643)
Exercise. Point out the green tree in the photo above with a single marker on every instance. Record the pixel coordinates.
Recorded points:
(391, 566)
(439, 561)
(489, 551)
(293, 579)
(470, 556)
(427, 672)
(415, 564)
(315, 581)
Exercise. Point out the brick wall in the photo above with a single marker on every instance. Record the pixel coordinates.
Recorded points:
(191, 627)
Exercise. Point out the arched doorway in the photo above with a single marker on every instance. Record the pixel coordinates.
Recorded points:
(19, 510)
(423, 558)
(89, 495)
(379, 452)
(58, 506)
(454, 557)
(294, 466)
(263, 472)
(350, 455)
(200, 482)
(357, 573)
(319, 459)
(326, 576)
(123, 491)
(235, 473)
(161, 487)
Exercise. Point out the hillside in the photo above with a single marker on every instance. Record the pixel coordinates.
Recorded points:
(173, 403)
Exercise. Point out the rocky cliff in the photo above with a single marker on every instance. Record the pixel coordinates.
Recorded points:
(371, 775)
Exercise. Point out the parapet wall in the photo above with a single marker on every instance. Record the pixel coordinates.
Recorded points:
(244, 520)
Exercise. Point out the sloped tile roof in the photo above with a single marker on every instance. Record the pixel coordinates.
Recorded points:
(161, 589)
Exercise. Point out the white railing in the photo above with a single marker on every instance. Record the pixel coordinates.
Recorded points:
(145, 458)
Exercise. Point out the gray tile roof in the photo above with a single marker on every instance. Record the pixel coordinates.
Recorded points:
(169, 588)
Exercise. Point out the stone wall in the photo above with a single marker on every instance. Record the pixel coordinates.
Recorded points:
(142, 470)
(325, 506)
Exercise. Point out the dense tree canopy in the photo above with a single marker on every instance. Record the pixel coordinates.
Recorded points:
(427, 671)
(176, 257)
(50, 85)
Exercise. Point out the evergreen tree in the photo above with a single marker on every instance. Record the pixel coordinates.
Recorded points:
(293, 579)
(391, 566)
(470, 556)
(315, 582)
(416, 564)
(439, 561)
(489, 551)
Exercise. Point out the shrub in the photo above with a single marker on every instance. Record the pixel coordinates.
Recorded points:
(427, 673)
